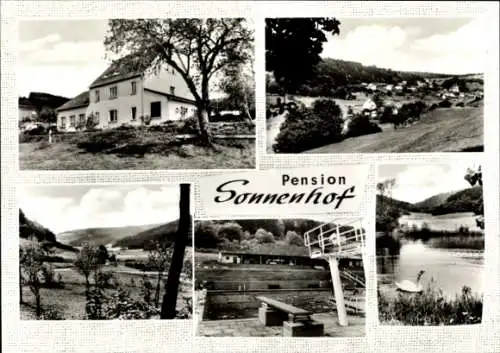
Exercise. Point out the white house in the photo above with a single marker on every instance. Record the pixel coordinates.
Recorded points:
(369, 105)
(371, 87)
(454, 89)
(73, 112)
(128, 90)
(398, 88)
(389, 87)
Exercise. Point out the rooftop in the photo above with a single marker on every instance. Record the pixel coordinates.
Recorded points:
(124, 68)
(82, 100)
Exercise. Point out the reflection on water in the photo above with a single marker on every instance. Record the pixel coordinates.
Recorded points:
(448, 222)
(449, 270)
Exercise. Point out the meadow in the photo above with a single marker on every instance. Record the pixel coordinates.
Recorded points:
(68, 301)
(132, 148)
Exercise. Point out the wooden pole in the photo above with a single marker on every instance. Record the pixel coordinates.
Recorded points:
(337, 289)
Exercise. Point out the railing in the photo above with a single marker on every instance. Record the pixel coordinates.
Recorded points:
(336, 238)
(353, 277)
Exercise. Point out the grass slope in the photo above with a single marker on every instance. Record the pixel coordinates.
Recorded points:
(29, 228)
(441, 130)
(164, 232)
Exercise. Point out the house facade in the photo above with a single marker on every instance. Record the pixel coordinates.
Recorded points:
(73, 113)
(125, 93)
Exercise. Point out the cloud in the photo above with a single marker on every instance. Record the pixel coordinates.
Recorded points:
(418, 182)
(39, 43)
(65, 80)
(103, 207)
(372, 45)
(398, 48)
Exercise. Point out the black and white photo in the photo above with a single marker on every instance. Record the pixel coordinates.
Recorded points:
(430, 243)
(136, 94)
(365, 85)
(103, 252)
(280, 277)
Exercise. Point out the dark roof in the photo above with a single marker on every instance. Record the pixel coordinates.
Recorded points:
(122, 69)
(172, 97)
(270, 249)
(82, 100)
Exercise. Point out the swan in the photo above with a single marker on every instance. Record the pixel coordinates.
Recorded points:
(409, 286)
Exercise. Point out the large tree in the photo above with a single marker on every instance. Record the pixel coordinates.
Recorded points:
(293, 46)
(198, 49)
(168, 307)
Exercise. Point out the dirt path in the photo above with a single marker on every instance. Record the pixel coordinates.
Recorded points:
(273, 129)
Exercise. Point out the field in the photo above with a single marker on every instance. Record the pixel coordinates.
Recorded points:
(441, 130)
(67, 156)
(70, 300)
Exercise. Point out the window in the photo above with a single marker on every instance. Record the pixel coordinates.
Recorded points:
(155, 109)
(134, 113)
(113, 92)
(72, 121)
(81, 118)
(133, 87)
(63, 122)
(172, 90)
(113, 116)
(97, 96)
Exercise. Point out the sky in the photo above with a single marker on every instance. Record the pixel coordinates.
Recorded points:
(417, 182)
(68, 207)
(62, 57)
(441, 45)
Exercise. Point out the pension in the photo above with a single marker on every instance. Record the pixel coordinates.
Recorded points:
(321, 179)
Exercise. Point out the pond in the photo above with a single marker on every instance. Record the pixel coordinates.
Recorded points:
(447, 222)
(448, 270)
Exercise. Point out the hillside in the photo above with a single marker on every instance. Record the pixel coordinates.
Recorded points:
(40, 100)
(29, 228)
(466, 200)
(440, 130)
(102, 236)
(333, 73)
(165, 232)
(434, 201)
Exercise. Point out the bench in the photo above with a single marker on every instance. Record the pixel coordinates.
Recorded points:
(296, 322)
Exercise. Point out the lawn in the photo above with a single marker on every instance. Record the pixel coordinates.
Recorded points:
(441, 130)
(70, 300)
(131, 149)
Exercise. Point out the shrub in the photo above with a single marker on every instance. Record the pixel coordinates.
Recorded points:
(263, 236)
(106, 279)
(51, 312)
(431, 308)
(361, 125)
(91, 122)
(460, 104)
(292, 238)
(306, 128)
(445, 103)
(117, 305)
(145, 120)
(230, 231)
(190, 126)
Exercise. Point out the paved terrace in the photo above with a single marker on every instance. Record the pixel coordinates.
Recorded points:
(253, 328)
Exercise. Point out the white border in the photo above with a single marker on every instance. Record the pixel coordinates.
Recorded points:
(160, 336)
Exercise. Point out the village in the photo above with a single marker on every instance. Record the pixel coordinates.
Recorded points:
(383, 106)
